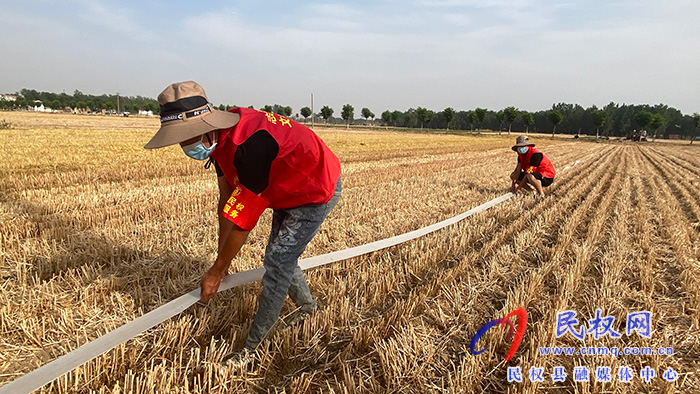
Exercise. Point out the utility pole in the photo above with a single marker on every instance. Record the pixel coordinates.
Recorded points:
(312, 110)
(118, 103)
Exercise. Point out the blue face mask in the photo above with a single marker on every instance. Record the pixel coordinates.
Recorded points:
(523, 150)
(198, 151)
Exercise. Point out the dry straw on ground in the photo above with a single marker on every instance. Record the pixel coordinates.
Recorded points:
(95, 231)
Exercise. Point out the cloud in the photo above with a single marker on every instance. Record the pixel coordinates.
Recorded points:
(336, 11)
(110, 17)
(232, 32)
(114, 18)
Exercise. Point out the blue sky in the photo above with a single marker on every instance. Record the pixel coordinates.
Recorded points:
(377, 54)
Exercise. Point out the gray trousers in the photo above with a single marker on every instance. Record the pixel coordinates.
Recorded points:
(292, 230)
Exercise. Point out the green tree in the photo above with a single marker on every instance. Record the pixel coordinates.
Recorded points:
(473, 117)
(510, 114)
(366, 113)
(56, 105)
(554, 117)
(387, 117)
(305, 112)
(347, 114)
(528, 119)
(501, 117)
(78, 95)
(150, 106)
(267, 108)
(599, 117)
(420, 113)
(396, 117)
(29, 95)
(448, 114)
(696, 124)
(281, 110)
(481, 115)
(643, 118)
(424, 116)
(326, 113)
(657, 122)
(429, 116)
(410, 118)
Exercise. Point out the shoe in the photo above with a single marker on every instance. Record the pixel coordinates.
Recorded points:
(241, 359)
(298, 317)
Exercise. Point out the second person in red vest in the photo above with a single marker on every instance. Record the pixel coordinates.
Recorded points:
(533, 168)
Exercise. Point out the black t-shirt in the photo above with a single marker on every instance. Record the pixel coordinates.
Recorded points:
(253, 160)
(535, 160)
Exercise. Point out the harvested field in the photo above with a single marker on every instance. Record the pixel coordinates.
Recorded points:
(95, 231)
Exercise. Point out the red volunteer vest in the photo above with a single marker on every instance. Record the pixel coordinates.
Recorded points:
(305, 170)
(545, 168)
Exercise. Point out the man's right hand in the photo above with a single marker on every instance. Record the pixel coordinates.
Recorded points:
(228, 249)
(210, 284)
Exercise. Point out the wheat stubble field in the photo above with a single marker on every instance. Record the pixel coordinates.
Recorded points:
(95, 231)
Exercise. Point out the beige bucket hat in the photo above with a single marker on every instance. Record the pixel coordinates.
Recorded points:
(185, 112)
(521, 141)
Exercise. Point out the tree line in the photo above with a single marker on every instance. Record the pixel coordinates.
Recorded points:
(612, 120)
(80, 101)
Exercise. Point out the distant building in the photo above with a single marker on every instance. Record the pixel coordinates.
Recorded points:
(8, 97)
(39, 106)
